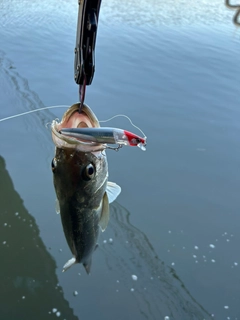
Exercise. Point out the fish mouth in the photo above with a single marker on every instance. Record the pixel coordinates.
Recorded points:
(73, 119)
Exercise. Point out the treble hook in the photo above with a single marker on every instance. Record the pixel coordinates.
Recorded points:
(114, 148)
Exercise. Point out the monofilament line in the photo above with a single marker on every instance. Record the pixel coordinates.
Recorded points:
(123, 115)
(32, 111)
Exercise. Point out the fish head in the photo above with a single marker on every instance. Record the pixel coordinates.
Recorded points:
(80, 168)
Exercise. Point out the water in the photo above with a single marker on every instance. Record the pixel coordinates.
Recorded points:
(172, 67)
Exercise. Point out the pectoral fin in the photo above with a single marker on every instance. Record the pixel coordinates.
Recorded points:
(113, 191)
(57, 207)
(105, 213)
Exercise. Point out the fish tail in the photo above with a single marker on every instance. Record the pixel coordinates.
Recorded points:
(69, 264)
(87, 265)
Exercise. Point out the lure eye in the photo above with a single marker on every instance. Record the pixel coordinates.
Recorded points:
(88, 172)
(54, 164)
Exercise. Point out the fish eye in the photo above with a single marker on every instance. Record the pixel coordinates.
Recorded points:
(54, 164)
(88, 172)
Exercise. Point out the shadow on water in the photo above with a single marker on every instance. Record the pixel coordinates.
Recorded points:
(29, 286)
(158, 290)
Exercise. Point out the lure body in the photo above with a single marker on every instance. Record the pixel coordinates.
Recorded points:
(106, 135)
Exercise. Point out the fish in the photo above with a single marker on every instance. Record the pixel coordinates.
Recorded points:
(80, 178)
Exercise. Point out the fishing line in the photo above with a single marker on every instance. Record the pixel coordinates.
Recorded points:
(31, 111)
(123, 115)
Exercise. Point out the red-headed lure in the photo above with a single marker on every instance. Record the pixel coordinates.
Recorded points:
(106, 135)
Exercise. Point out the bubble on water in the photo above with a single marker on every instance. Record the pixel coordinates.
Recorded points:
(184, 248)
(213, 261)
(226, 307)
(58, 314)
(23, 297)
(151, 278)
(54, 310)
(30, 225)
(227, 240)
(173, 263)
(117, 281)
(117, 290)
(79, 273)
(194, 256)
(212, 246)
(110, 240)
(4, 242)
(196, 248)
(204, 257)
(104, 241)
(132, 289)
(196, 261)
(126, 241)
(169, 231)
(60, 250)
(166, 318)
(235, 263)
(75, 293)
(5, 224)
(134, 277)
(16, 213)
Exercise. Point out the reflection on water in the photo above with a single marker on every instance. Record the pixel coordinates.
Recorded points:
(158, 290)
(29, 285)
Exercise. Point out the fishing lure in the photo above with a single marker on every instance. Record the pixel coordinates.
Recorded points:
(106, 135)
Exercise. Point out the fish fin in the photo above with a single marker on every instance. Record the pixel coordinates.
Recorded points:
(113, 191)
(105, 213)
(68, 264)
(87, 265)
(57, 206)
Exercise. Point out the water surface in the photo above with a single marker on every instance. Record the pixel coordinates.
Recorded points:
(172, 67)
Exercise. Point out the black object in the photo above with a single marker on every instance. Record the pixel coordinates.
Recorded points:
(84, 64)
